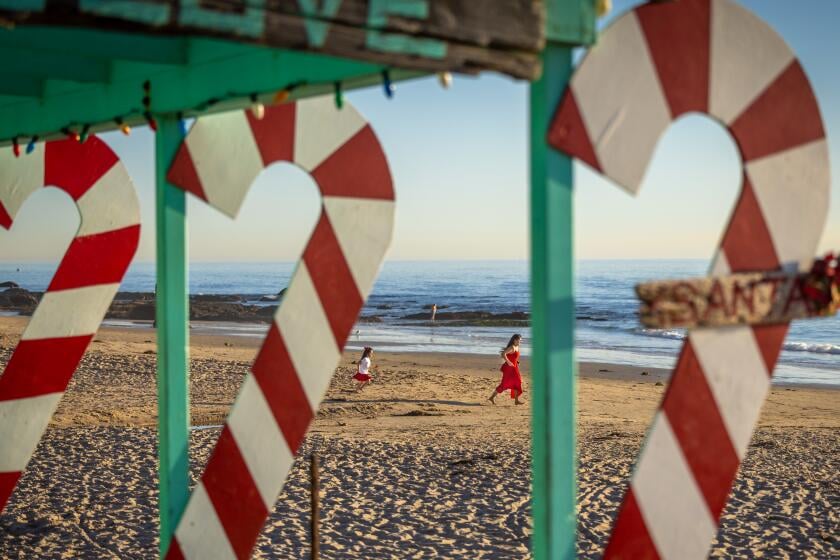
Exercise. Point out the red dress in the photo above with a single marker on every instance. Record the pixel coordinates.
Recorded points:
(511, 379)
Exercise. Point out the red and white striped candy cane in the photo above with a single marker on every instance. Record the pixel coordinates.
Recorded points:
(79, 294)
(218, 162)
(650, 66)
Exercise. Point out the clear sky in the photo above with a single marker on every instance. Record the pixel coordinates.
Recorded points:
(459, 161)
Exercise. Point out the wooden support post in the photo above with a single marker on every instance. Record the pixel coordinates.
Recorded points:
(172, 337)
(315, 490)
(553, 319)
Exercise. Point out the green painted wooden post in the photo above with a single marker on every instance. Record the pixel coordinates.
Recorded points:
(172, 338)
(553, 366)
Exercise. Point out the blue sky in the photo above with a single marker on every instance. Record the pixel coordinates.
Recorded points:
(459, 161)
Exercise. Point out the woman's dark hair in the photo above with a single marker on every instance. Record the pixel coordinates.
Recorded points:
(366, 352)
(513, 340)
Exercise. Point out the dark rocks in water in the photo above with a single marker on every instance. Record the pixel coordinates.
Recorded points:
(645, 373)
(207, 311)
(134, 310)
(8, 285)
(429, 307)
(19, 299)
(276, 297)
(384, 306)
(201, 310)
(370, 319)
(216, 298)
(267, 311)
(134, 296)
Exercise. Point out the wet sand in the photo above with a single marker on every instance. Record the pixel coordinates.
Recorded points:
(418, 465)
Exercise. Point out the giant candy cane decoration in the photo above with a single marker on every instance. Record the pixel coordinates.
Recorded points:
(78, 295)
(220, 158)
(652, 65)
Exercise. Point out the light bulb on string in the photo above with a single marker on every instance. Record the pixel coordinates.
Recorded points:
(31, 146)
(281, 97)
(257, 108)
(445, 79)
(182, 124)
(15, 147)
(603, 7)
(151, 120)
(124, 128)
(71, 134)
(387, 85)
(339, 96)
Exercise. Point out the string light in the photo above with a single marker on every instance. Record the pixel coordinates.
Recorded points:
(15, 147)
(147, 104)
(182, 123)
(124, 128)
(257, 108)
(150, 120)
(281, 96)
(386, 84)
(445, 79)
(603, 7)
(71, 134)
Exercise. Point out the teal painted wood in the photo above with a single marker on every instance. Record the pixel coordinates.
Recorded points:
(554, 463)
(172, 335)
(247, 69)
(571, 21)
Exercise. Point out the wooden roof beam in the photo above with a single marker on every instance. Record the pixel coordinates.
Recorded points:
(21, 86)
(61, 66)
(98, 44)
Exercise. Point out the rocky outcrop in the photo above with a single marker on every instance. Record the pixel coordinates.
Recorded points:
(20, 300)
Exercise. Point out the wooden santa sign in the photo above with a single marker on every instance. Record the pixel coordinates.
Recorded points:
(757, 298)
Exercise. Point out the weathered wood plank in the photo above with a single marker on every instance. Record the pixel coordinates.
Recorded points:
(754, 299)
(455, 35)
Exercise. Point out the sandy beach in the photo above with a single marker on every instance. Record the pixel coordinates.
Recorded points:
(419, 465)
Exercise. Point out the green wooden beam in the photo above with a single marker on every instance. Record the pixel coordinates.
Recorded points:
(54, 64)
(217, 69)
(172, 335)
(553, 366)
(20, 86)
(96, 44)
(571, 21)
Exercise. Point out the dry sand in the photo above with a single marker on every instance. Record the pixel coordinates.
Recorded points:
(418, 465)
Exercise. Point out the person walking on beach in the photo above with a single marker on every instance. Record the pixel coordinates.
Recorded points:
(511, 378)
(363, 376)
(434, 311)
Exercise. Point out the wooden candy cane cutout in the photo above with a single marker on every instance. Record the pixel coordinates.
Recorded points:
(79, 294)
(218, 162)
(652, 65)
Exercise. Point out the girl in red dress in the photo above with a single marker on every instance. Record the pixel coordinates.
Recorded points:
(363, 376)
(511, 379)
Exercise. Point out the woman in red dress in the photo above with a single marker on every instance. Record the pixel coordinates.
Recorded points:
(511, 379)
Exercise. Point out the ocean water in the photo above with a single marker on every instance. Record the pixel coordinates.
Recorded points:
(607, 325)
